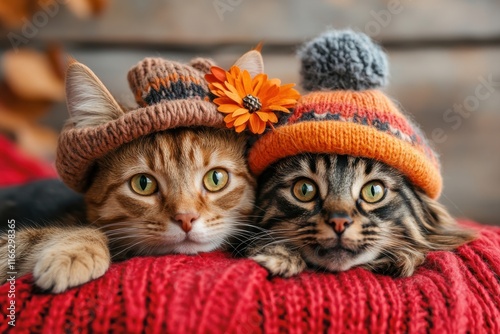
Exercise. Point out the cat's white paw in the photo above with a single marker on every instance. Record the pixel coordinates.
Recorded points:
(60, 268)
(280, 261)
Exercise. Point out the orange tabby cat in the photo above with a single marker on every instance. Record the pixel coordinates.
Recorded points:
(184, 190)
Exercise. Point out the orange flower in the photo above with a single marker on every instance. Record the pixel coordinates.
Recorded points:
(249, 101)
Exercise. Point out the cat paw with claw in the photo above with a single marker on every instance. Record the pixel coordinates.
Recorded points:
(60, 268)
(280, 261)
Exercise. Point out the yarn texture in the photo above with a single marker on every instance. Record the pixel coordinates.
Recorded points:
(343, 117)
(343, 60)
(453, 292)
(169, 94)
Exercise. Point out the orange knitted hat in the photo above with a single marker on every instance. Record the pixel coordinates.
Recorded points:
(346, 114)
(170, 95)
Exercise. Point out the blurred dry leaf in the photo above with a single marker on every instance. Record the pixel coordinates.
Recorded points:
(58, 59)
(32, 75)
(38, 141)
(32, 82)
(12, 12)
(99, 6)
(30, 137)
(85, 8)
(31, 110)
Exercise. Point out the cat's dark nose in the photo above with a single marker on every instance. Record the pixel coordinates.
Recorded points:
(340, 221)
(186, 220)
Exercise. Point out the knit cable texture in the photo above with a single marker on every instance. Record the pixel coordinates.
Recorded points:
(453, 292)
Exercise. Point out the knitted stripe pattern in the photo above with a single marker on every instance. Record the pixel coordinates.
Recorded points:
(453, 292)
(346, 113)
(365, 124)
(371, 108)
(154, 80)
(171, 95)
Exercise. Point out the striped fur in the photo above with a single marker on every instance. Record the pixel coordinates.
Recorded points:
(178, 159)
(390, 237)
(122, 223)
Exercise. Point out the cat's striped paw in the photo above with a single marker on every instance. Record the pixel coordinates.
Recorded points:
(280, 261)
(61, 267)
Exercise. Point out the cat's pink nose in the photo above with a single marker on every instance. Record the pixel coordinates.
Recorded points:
(340, 222)
(186, 220)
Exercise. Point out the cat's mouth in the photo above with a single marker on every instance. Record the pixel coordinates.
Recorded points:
(337, 250)
(188, 246)
(334, 248)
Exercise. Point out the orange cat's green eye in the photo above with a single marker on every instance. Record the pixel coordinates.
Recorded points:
(143, 184)
(215, 180)
(304, 190)
(373, 192)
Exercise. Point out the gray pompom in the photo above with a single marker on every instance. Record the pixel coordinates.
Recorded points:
(343, 60)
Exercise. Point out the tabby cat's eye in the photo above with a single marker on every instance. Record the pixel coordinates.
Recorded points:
(373, 192)
(143, 184)
(215, 179)
(304, 190)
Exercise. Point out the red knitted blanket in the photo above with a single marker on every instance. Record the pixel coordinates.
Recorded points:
(213, 293)
(455, 292)
(17, 168)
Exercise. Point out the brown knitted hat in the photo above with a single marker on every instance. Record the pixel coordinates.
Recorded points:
(170, 95)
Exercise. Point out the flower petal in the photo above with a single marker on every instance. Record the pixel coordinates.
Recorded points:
(240, 111)
(210, 78)
(268, 93)
(257, 83)
(272, 117)
(238, 84)
(247, 82)
(280, 108)
(275, 82)
(229, 118)
(242, 119)
(282, 102)
(235, 97)
(219, 85)
(231, 86)
(218, 73)
(223, 100)
(217, 92)
(262, 128)
(254, 123)
(263, 116)
(233, 75)
(241, 127)
(228, 108)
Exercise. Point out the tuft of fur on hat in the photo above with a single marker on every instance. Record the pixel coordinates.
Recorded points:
(342, 60)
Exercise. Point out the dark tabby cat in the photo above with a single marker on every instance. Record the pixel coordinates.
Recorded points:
(322, 201)
(337, 212)
(179, 191)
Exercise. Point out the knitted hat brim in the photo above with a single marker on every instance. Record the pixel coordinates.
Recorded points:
(346, 139)
(79, 148)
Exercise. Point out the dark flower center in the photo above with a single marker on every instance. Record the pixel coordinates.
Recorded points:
(252, 103)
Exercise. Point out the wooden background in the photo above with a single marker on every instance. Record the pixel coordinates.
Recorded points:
(440, 51)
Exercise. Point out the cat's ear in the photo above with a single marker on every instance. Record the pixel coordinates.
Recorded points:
(252, 62)
(89, 102)
(442, 231)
